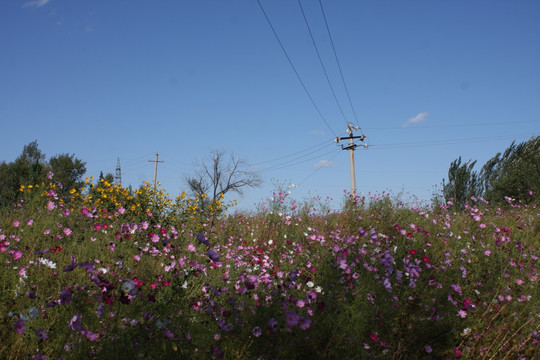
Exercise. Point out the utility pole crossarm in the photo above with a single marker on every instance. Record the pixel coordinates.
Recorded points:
(351, 146)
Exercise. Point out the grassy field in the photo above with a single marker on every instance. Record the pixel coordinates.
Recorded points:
(109, 274)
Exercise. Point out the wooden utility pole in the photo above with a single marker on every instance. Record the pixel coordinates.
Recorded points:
(351, 146)
(155, 168)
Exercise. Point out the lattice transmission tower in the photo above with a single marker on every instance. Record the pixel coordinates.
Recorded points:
(118, 176)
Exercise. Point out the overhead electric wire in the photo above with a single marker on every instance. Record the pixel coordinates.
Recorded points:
(452, 125)
(317, 169)
(325, 143)
(320, 60)
(286, 164)
(447, 142)
(338, 64)
(293, 67)
(296, 159)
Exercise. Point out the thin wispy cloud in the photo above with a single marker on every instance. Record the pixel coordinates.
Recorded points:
(36, 3)
(317, 132)
(417, 119)
(324, 164)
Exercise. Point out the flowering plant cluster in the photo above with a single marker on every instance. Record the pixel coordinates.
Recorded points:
(121, 275)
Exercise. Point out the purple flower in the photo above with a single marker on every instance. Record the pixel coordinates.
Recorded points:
(218, 352)
(213, 255)
(224, 326)
(387, 285)
(72, 266)
(387, 260)
(65, 297)
(40, 333)
(257, 331)
(294, 275)
(99, 310)
(428, 349)
(19, 326)
(75, 322)
(203, 240)
(272, 324)
(291, 318)
(89, 335)
(304, 323)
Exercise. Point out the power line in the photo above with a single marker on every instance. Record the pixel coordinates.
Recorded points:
(447, 142)
(323, 144)
(292, 163)
(338, 64)
(453, 125)
(319, 168)
(320, 60)
(294, 68)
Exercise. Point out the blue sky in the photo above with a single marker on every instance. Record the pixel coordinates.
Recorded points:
(429, 81)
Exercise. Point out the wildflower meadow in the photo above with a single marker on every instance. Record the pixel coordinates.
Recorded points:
(108, 273)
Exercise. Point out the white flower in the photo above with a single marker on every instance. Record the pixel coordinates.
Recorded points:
(310, 284)
(48, 263)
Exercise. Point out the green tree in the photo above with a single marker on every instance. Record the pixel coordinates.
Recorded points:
(514, 173)
(463, 182)
(28, 169)
(31, 168)
(67, 170)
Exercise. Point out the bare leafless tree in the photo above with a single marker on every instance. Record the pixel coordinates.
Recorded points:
(219, 174)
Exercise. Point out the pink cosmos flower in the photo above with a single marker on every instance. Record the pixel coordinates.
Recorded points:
(17, 255)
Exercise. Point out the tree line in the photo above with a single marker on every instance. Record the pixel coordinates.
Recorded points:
(212, 177)
(32, 168)
(514, 173)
